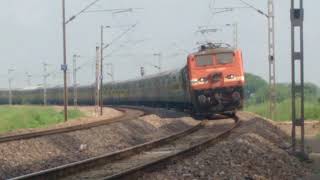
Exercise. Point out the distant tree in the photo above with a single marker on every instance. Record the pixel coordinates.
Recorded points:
(257, 90)
(311, 91)
(254, 84)
(283, 91)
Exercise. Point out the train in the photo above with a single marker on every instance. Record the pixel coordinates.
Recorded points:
(211, 82)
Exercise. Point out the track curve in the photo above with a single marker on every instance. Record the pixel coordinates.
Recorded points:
(127, 115)
(147, 155)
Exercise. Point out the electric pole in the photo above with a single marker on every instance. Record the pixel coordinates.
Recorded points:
(45, 76)
(159, 61)
(235, 35)
(10, 79)
(142, 71)
(97, 78)
(28, 76)
(272, 65)
(75, 85)
(297, 65)
(101, 72)
(102, 47)
(69, 78)
(271, 55)
(64, 66)
(110, 72)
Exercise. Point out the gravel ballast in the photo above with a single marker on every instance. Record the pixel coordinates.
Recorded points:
(27, 156)
(253, 151)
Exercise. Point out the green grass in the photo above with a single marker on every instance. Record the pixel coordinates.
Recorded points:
(20, 117)
(312, 110)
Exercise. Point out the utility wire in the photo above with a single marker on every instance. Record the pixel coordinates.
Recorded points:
(120, 36)
(256, 9)
(82, 11)
(112, 10)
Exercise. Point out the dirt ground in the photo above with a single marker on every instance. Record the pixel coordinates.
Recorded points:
(312, 138)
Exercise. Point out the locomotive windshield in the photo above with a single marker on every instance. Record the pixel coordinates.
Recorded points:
(205, 60)
(224, 58)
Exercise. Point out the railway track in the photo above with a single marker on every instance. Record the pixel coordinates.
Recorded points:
(127, 115)
(132, 161)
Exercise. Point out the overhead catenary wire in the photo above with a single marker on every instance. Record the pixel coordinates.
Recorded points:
(113, 10)
(82, 11)
(256, 9)
(121, 35)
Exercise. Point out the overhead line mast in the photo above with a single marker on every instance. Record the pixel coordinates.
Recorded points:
(28, 76)
(271, 55)
(297, 62)
(10, 79)
(45, 76)
(64, 66)
(272, 64)
(75, 85)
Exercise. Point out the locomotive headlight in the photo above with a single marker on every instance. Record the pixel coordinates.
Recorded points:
(203, 80)
(231, 76)
(200, 80)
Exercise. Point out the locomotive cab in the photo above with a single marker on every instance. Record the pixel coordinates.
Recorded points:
(216, 80)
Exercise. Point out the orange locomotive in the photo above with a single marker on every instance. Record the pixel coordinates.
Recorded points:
(216, 79)
(211, 82)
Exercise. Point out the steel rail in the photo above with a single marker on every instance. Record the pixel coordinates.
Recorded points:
(30, 135)
(136, 171)
(74, 168)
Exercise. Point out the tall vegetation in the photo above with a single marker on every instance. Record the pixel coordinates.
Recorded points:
(21, 117)
(257, 95)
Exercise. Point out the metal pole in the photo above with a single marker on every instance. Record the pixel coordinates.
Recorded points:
(97, 79)
(101, 72)
(28, 79)
(45, 75)
(272, 65)
(235, 35)
(112, 71)
(142, 71)
(10, 92)
(297, 57)
(159, 67)
(293, 90)
(271, 58)
(302, 83)
(75, 87)
(10, 86)
(64, 66)
(160, 62)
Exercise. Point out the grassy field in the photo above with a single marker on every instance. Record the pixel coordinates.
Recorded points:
(312, 110)
(12, 118)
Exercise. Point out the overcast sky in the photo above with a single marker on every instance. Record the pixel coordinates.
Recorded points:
(30, 34)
